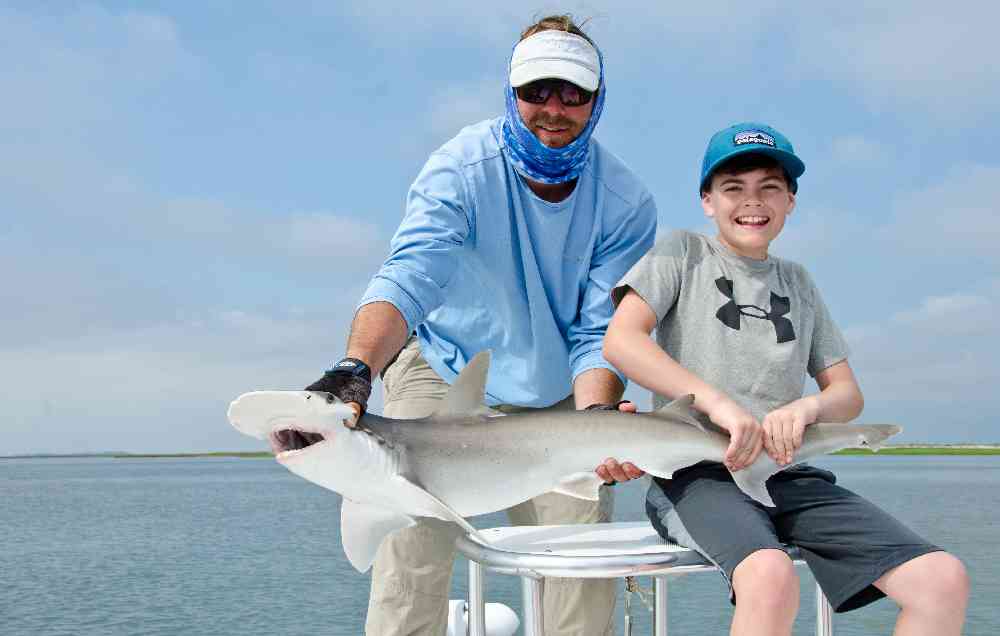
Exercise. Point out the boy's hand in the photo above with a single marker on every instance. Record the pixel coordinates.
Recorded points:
(784, 427)
(744, 434)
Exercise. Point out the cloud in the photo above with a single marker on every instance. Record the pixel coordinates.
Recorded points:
(135, 308)
(937, 314)
(202, 214)
(919, 60)
(957, 214)
(934, 364)
(212, 226)
(455, 107)
(79, 58)
(936, 231)
(858, 149)
(909, 55)
(403, 24)
(815, 232)
(334, 236)
(164, 386)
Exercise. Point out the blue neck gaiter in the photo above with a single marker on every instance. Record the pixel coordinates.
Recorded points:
(536, 161)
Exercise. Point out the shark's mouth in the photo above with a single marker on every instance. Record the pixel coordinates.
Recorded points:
(289, 441)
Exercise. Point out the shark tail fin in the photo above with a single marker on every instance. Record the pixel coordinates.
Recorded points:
(467, 392)
(820, 438)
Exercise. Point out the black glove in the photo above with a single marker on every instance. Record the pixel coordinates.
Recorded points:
(350, 380)
(606, 407)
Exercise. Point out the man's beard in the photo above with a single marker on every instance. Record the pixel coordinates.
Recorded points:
(542, 119)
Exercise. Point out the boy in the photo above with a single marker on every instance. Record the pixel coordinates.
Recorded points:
(739, 329)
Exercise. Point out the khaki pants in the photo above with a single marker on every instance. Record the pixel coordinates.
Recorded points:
(411, 577)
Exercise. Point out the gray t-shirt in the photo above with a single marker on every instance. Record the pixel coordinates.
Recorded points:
(750, 328)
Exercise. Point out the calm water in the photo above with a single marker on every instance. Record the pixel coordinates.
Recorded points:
(238, 546)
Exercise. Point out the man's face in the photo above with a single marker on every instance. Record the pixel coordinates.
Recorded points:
(555, 124)
(749, 209)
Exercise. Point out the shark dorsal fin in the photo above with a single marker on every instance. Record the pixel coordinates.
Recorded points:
(680, 411)
(466, 394)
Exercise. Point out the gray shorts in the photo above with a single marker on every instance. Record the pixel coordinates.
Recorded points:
(847, 541)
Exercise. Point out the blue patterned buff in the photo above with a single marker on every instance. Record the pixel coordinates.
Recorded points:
(536, 161)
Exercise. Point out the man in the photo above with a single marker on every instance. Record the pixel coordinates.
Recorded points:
(515, 232)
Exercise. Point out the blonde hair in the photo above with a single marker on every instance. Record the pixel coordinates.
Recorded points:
(557, 23)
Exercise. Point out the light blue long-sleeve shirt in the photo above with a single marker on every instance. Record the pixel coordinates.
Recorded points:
(481, 262)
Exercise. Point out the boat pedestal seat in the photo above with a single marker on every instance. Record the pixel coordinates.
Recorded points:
(603, 550)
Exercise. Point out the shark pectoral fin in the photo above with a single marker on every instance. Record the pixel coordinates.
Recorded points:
(752, 480)
(580, 485)
(362, 529)
(466, 393)
(431, 506)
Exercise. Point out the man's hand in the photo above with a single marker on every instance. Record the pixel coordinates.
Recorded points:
(745, 434)
(610, 470)
(784, 427)
(351, 389)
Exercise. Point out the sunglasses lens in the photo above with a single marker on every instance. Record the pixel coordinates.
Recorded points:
(534, 93)
(572, 95)
(538, 92)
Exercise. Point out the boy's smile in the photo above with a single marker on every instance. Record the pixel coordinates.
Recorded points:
(749, 209)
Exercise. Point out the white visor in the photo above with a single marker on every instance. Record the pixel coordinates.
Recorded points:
(555, 54)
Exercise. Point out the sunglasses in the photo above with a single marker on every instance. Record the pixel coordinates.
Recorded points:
(539, 91)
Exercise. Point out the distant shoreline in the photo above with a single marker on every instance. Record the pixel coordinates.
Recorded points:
(900, 449)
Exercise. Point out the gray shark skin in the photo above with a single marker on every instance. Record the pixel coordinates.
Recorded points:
(465, 460)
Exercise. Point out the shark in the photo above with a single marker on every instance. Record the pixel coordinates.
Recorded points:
(466, 459)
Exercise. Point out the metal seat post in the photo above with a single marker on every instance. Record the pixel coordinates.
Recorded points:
(607, 550)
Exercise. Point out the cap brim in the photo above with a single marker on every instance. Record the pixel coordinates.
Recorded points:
(554, 69)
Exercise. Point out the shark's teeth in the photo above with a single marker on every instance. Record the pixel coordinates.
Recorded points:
(293, 439)
(288, 454)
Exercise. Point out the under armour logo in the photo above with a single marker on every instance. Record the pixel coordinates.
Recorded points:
(729, 314)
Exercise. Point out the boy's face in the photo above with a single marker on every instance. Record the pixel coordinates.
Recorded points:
(749, 209)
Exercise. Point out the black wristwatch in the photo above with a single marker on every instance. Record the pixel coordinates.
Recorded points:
(353, 366)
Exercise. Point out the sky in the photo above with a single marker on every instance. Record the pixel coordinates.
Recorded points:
(193, 196)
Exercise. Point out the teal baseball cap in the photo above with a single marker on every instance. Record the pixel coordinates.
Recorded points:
(753, 137)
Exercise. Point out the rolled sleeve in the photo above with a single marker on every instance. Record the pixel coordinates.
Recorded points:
(424, 251)
(617, 253)
(385, 289)
(595, 360)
